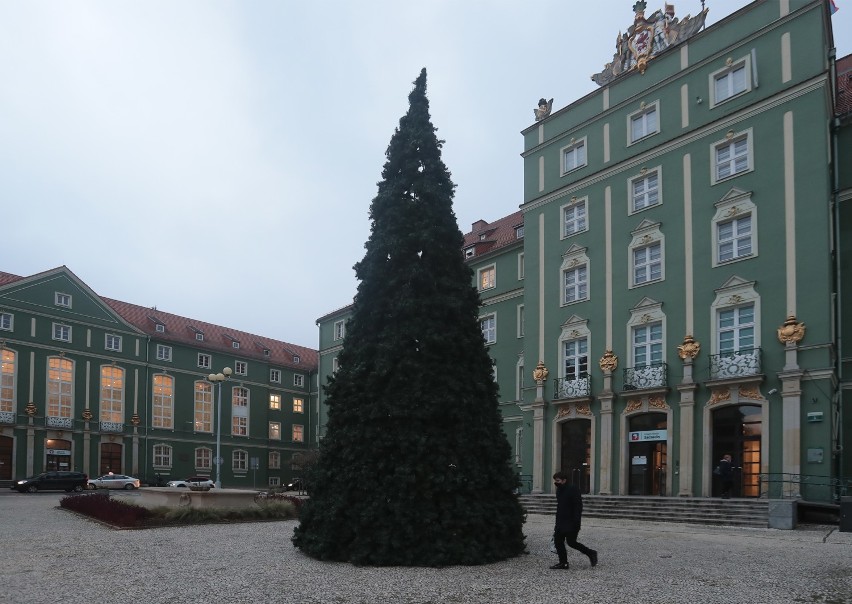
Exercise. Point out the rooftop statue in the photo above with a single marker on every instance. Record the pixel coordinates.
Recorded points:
(647, 38)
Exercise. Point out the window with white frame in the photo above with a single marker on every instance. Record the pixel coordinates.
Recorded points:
(239, 411)
(644, 122)
(645, 190)
(646, 254)
(734, 228)
(239, 461)
(732, 156)
(339, 330)
(235, 344)
(7, 321)
(275, 376)
(61, 332)
(519, 379)
(275, 401)
(487, 277)
(275, 459)
(297, 359)
(203, 458)
(469, 252)
(275, 430)
(736, 329)
(163, 408)
(60, 387)
(647, 346)
(574, 156)
(8, 380)
(199, 336)
(204, 360)
(576, 359)
(164, 353)
(299, 380)
(575, 284)
(160, 328)
(488, 324)
(520, 266)
(298, 433)
(63, 300)
(298, 405)
(730, 81)
(275, 481)
(335, 365)
(112, 394)
(203, 410)
(647, 264)
(162, 456)
(574, 217)
(519, 232)
(240, 368)
(112, 342)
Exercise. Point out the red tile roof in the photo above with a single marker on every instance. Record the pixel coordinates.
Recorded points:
(182, 330)
(490, 237)
(843, 102)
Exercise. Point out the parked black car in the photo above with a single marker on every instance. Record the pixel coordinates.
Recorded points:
(52, 481)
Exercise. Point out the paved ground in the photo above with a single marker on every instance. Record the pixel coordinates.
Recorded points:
(50, 555)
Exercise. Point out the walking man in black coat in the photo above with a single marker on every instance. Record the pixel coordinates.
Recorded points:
(569, 512)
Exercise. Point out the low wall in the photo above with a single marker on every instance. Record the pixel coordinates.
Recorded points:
(152, 497)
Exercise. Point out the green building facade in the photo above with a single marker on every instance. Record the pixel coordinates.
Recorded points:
(670, 290)
(97, 385)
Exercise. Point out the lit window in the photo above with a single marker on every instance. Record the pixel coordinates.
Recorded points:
(275, 401)
(60, 387)
(203, 413)
(112, 394)
(275, 430)
(487, 277)
(162, 415)
(574, 156)
(298, 405)
(8, 385)
(298, 433)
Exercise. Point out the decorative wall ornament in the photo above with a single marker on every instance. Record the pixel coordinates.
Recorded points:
(735, 299)
(543, 110)
(135, 419)
(540, 372)
(608, 362)
(689, 349)
(750, 392)
(719, 396)
(584, 409)
(31, 409)
(87, 414)
(646, 318)
(657, 402)
(564, 411)
(633, 404)
(791, 331)
(646, 38)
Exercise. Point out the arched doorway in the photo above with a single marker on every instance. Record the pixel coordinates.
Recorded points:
(647, 454)
(57, 455)
(110, 458)
(576, 452)
(737, 431)
(6, 443)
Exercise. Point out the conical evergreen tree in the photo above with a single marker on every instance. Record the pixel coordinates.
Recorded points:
(414, 468)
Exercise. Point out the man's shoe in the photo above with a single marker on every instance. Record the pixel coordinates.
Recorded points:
(560, 566)
(593, 558)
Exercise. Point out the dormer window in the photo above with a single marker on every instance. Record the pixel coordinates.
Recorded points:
(266, 352)
(296, 358)
(469, 252)
(519, 232)
(235, 344)
(482, 237)
(199, 336)
(161, 328)
(63, 300)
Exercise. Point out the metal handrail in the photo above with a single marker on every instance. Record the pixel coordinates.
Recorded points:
(782, 485)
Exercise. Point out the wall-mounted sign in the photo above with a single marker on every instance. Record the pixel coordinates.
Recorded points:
(58, 452)
(647, 435)
(639, 460)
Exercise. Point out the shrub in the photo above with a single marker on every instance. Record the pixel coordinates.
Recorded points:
(126, 515)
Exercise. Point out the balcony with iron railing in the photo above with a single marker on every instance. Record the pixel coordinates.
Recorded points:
(734, 365)
(7, 417)
(578, 387)
(58, 422)
(646, 377)
(112, 426)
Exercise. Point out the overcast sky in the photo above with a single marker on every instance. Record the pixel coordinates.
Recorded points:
(217, 159)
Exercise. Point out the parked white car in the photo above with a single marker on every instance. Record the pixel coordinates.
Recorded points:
(114, 481)
(192, 481)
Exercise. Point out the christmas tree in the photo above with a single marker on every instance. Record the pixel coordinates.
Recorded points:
(414, 468)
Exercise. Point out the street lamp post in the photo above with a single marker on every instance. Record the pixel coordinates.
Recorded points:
(218, 378)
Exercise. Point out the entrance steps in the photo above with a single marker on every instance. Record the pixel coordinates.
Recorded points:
(6, 484)
(695, 510)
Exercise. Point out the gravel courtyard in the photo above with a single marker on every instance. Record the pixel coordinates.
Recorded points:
(50, 555)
